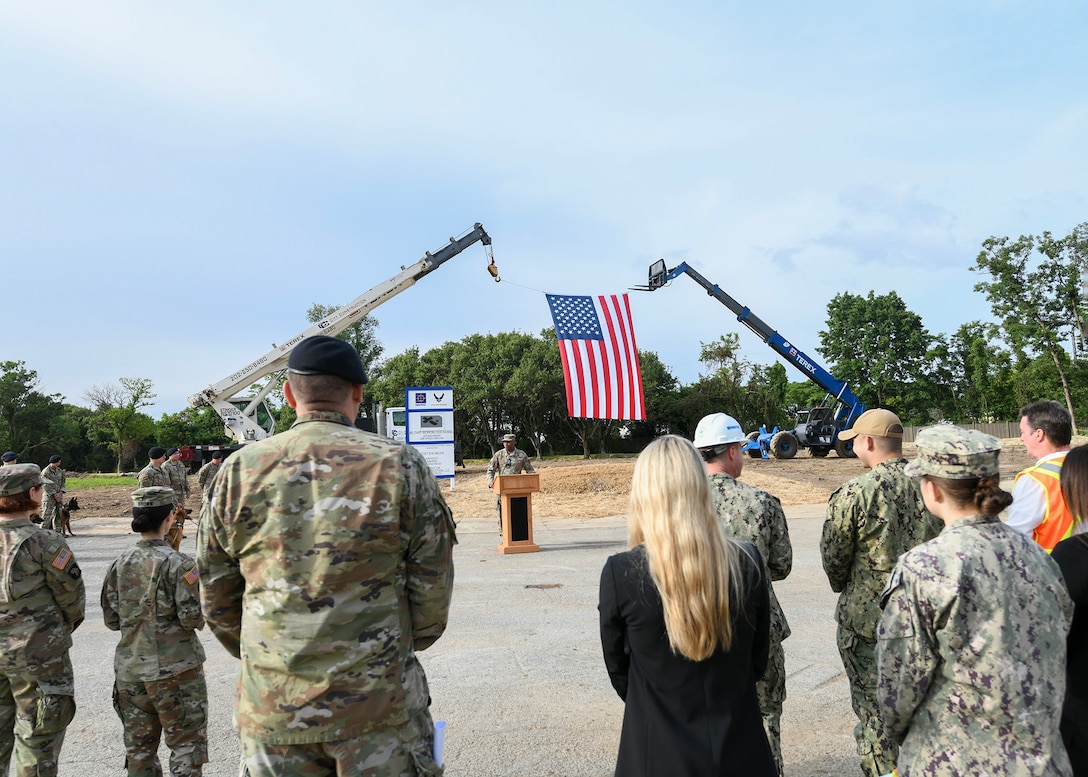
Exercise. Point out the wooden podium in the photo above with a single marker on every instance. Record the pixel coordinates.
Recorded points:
(516, 492)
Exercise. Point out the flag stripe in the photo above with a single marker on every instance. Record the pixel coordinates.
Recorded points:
(599, 355)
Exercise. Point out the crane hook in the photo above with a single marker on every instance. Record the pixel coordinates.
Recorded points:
(494, 270)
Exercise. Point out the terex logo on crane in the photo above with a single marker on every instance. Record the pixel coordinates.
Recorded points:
(800, 359)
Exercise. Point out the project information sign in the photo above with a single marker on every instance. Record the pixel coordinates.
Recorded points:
(429, 426)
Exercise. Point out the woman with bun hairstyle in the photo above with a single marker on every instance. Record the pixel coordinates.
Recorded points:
(685, 628)
(971, 642)
(1072, 557)
(151, 594)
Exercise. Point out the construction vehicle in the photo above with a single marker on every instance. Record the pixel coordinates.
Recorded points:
(248, 418)
(817, 428)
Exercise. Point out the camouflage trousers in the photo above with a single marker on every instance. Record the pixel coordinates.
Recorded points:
(175, 709)
(878, 752)
(405, 751)
(771, 691)
(35, 710)
(50, 511)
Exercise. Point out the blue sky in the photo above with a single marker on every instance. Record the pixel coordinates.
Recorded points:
(180, 182)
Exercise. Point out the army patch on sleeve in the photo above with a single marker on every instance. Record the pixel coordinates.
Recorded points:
(62, 559)
(192, 576)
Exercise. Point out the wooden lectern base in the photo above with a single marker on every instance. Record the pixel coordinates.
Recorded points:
(521, 547)
(516, 493)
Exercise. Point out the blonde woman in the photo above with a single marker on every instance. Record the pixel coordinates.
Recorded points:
(685, 620)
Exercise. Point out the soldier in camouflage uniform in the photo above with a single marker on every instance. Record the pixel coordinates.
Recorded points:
(41, 604)
(326, 562)
(178, 473)
(748, 514)
(972, 642)
(207, 473)
(871, 521)
(153, 474)
(509, 460)
(151, 595)
(55, 489)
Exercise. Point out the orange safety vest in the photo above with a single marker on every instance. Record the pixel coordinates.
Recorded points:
(1057, 520)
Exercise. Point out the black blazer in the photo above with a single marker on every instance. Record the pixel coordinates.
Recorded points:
(684, 718)
(1072, 556)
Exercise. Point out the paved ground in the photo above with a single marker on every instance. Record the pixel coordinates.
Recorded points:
(518, 675)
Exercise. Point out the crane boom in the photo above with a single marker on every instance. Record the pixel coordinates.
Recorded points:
(819, 427)
(791, 353)
(239, 416)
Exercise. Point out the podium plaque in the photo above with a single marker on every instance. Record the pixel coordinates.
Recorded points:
(516, 493)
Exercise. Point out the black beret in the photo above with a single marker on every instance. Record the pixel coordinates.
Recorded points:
(321, 355)
(217, 455)
(9, 456)
(172, 451)
(156, 453)
(54, 459)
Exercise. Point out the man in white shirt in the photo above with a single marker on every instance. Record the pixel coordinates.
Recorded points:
(1038, 509)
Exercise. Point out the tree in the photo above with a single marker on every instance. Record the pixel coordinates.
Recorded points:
(878, 347)
(117, 409)
(1034, 290)
(25, 412)
(362, 335)
(537, 386)
(193, 425)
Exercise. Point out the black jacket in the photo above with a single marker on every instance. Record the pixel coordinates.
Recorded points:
(684, 718)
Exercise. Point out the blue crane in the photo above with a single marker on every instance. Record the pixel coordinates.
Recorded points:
(817, 427)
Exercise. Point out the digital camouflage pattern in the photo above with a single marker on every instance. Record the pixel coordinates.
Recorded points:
(174, 709)
(326, 562)
(178, 474)
(151, 594)
(153, 476)
(503, 463)
(748, 514)
(42, 602)
(206, 474)
(971, 654)
(507, 463)
(947, 451)
(55, 484)
(19, 478)
(396, 752)
(871, 521)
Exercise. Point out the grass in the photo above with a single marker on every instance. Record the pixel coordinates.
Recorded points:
(99, 481)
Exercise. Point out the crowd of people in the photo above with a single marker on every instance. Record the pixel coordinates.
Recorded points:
(325, 563)
(959, 633)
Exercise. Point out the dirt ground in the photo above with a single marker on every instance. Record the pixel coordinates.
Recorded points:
(598, 488)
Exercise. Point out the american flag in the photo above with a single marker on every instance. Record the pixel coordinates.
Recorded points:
(600, 358)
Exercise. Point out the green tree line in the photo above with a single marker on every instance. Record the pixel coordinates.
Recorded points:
(512, 381)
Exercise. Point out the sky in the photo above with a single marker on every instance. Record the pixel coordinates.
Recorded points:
(179, 183)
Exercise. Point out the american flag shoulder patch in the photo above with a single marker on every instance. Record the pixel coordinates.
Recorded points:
(62, 559)
(192, 576)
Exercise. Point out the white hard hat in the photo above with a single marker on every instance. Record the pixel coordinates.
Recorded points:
(718, 429)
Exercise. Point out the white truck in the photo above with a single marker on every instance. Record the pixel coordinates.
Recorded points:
(248, 418)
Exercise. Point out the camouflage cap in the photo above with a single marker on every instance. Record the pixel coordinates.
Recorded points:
(19, 478)
(153, 496)
(947, 451)
(509, 438)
